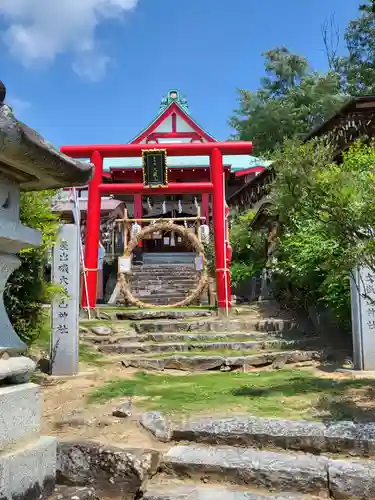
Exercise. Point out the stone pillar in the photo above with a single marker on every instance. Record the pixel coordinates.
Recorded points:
(362, 284)
(65, 306)
(21, 447)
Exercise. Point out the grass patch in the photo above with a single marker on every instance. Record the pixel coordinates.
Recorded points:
(90, 356)
(295, 394)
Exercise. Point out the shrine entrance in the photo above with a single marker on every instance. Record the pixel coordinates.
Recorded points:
(155, 182)
(123, 286)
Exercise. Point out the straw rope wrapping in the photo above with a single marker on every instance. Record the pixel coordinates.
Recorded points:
(186, 235)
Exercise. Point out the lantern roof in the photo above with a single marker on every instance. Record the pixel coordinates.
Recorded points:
(30, 161)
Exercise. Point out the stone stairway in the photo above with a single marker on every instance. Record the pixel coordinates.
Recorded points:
(196, 340)
(163, 283)
(251, 458)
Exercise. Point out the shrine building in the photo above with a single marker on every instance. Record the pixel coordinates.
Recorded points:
(172, 124)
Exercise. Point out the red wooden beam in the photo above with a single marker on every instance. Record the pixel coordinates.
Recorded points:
(172, 188)
(173, 135)
(250, 170)
(174, 149)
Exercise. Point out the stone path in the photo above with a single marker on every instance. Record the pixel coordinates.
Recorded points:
(196, 340)
(250, 468)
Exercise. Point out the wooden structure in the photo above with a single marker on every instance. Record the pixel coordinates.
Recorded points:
(354, 121)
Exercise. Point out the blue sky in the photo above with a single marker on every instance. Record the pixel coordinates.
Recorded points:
(94, 71)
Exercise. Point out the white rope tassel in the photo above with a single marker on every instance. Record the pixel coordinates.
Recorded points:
(204, 234)
(136, 228)
(164, 207)
(172, 240)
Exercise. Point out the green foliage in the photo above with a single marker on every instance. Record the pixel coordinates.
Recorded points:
(241, 271)
(357, 67)
(291, 101)
(248, 246)
(27, 288)
(325, 211)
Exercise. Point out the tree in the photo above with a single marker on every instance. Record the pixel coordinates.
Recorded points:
(291, 101)
(357, 68)
(27, 288)
(325, 211)
(248, 248)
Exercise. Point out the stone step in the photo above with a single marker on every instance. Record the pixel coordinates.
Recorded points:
(217, 326)
(142, 314)
(165, 272)
(210, 361)
(162, 285)
(152, 266)
(152, 280)
(145, 347)
(297, 473)
(189, 491)
(158, 275)
(343, 437)
(179, 337)
(154, 299)
(161, 288)
(202, 337)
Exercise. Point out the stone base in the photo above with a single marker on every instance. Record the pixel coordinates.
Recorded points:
(20, 413)
(29, 471)
(16, 370)
(357, 373)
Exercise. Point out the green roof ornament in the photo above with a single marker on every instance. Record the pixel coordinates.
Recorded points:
(174, 96)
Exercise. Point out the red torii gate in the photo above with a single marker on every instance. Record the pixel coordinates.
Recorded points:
(215, 150)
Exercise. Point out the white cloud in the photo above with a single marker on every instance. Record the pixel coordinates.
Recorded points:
(40, 30)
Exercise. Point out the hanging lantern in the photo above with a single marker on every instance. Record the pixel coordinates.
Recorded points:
(204, 234)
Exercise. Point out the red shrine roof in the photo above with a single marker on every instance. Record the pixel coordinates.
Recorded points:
(175, 124)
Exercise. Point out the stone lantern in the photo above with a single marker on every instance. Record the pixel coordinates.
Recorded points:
(27, 162)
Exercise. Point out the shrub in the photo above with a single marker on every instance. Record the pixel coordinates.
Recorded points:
(27, 288)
